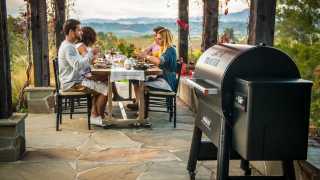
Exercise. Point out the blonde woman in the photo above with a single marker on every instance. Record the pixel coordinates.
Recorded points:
(167, 62)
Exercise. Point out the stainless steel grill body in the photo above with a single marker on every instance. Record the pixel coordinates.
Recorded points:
(253, 105)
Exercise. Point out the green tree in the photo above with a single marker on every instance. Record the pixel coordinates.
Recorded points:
(18, 55)
(18, 48)
(298, 34)
(125, 48)
(299, 20)
(307, 58)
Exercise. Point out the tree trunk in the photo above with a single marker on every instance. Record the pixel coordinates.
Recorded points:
(5, 76)
(183, 34)
(59, 21)
(40, 42)
(210, 23)
(261, 22)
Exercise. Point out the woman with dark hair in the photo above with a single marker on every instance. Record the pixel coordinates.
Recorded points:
(89, 37)
(85, 44)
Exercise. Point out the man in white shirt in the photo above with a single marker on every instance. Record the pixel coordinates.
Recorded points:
(71, 63)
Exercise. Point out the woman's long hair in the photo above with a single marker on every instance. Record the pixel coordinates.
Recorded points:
(89, 36)
(167, 39)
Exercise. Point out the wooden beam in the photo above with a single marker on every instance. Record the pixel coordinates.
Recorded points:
(60, 6)
(262, 22)
(5, 74)
(183, 33)
(40, 49)
(210, 23)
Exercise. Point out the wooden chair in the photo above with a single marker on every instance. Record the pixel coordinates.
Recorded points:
(158, 100)
(65, 101)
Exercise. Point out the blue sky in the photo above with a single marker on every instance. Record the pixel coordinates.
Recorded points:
(114, 9)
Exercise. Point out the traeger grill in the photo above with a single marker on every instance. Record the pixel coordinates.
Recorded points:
(253, 105)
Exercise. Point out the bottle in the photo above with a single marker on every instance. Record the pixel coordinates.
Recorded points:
(127, 64)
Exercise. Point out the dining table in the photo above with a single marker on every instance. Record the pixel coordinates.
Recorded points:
(112, 74)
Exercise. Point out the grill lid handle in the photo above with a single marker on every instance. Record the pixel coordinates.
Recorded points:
(202, 86)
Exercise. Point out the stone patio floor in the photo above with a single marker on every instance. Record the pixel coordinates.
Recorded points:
(157, 153)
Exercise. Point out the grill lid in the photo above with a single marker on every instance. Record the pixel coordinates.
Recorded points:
(221, 64)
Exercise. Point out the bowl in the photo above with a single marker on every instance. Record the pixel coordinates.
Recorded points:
(141, 66)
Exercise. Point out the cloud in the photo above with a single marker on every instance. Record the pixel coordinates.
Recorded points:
(114, 9)
(15, 6)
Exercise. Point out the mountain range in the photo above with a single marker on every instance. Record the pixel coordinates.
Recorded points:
(143, 25)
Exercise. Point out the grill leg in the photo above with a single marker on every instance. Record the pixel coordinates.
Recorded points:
(245, 166)
(194, 151)
(288, 170)
(223, 151)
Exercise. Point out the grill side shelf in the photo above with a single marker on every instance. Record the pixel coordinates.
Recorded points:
(202, 86)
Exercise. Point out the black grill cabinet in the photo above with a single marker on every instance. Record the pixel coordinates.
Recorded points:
(253, 105)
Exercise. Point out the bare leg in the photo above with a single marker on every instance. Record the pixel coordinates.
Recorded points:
(101, 104)
(94, 111)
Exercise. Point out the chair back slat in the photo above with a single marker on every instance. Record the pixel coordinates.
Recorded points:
(56, 74)
(178, 71)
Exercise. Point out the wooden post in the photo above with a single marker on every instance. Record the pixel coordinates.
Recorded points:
(210, 23)
(5, 76)
(183, 34)
(40, 49)
(59, 21)
(261, 22)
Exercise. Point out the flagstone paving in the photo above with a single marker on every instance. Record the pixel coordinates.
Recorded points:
(76, 153)
(157, 153)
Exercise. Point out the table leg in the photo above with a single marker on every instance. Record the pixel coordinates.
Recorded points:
(141, 102)
(109, 100)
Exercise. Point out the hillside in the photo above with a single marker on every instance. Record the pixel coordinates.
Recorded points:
(142, 26)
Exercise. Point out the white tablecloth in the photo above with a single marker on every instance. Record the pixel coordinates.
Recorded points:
(118, 74)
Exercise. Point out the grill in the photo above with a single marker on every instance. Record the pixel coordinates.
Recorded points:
(253, 105)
